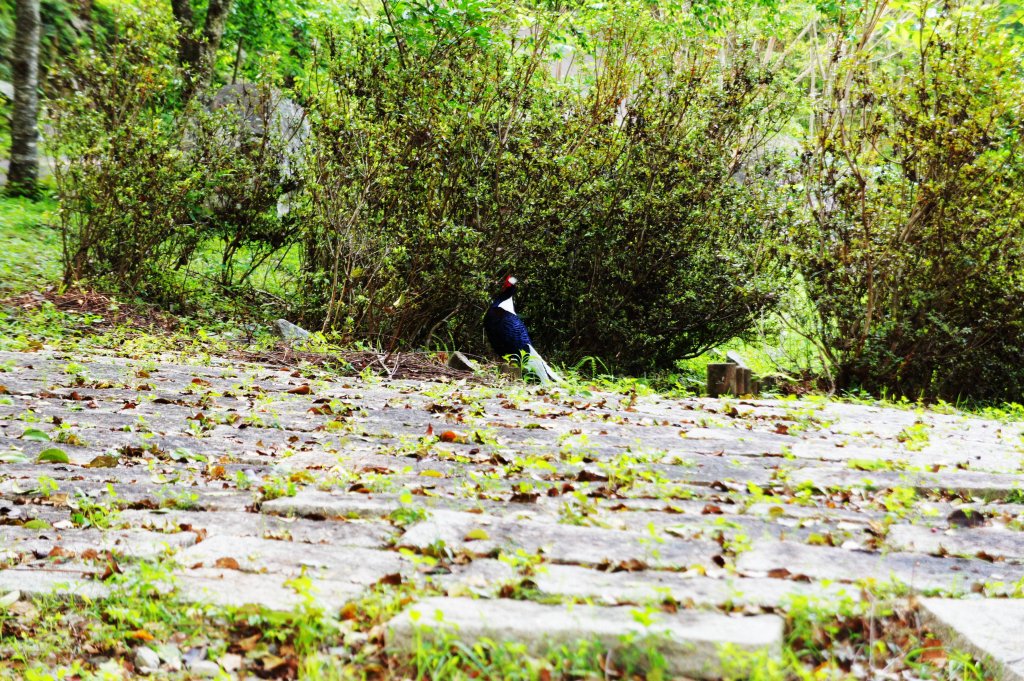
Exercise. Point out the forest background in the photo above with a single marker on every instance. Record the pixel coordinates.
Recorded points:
(834, 187)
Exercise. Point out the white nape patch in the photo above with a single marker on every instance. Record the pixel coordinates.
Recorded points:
(507, 305)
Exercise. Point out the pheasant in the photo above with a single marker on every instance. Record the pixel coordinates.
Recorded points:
(507, 334)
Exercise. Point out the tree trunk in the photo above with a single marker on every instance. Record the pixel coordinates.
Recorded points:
(23, 175)
(198, 53)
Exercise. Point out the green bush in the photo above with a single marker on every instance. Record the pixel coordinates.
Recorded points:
(913, 244)
(149, 184)
(126, 187)
(451, 150)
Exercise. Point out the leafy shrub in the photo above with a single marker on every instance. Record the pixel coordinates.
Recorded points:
(147, 183)
(450, 150)
(913, 245)
(125, 186)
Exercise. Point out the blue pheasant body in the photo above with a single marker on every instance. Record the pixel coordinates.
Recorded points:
(507, 334)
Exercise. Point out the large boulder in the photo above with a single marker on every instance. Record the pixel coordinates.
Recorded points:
(265, 114)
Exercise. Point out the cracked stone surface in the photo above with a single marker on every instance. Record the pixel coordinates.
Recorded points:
(239, 478)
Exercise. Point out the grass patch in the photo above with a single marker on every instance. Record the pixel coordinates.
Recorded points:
(30, 245)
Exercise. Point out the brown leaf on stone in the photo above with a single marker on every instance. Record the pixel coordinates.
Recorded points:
(452, 436)
(934, 653)
(129, 405)
(90, 554)
(60, 552)
(200, 381)
(630, 565)
(112, 568)
(591, 476)
(524, 497)
(381, 470)
(394, 579)
(103, 461)
(966, 518)
(985, 555)
(200, 532)
(711, 509)
(4, 390)
(228, 563)
(303, 389)
(782, 429)
(779, 573)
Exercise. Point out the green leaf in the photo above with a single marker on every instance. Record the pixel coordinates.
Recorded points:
(35, 435)
(53, 455)
(13, 457)
(37, 524)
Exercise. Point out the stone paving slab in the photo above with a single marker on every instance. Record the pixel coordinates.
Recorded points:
(612, 588)
(483, 535)
(254, 555)
(921, 573)
(691, 641)
(987, 543)
(980, 485)
(64, 580)
(129, 543)
(243, 477)
(991, 630)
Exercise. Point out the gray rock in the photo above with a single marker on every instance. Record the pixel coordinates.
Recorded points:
(207, 669)
(146, 660)
(290, 332)
(459, 361)
(989, 629)
(691, 642)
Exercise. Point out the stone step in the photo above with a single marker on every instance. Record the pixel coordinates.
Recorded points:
(991, 630)
(693, 644)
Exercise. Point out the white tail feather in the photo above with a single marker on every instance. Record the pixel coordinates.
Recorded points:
(536, 364)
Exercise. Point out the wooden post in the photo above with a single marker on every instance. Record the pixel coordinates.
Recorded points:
(743, 381)
(721, 379)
